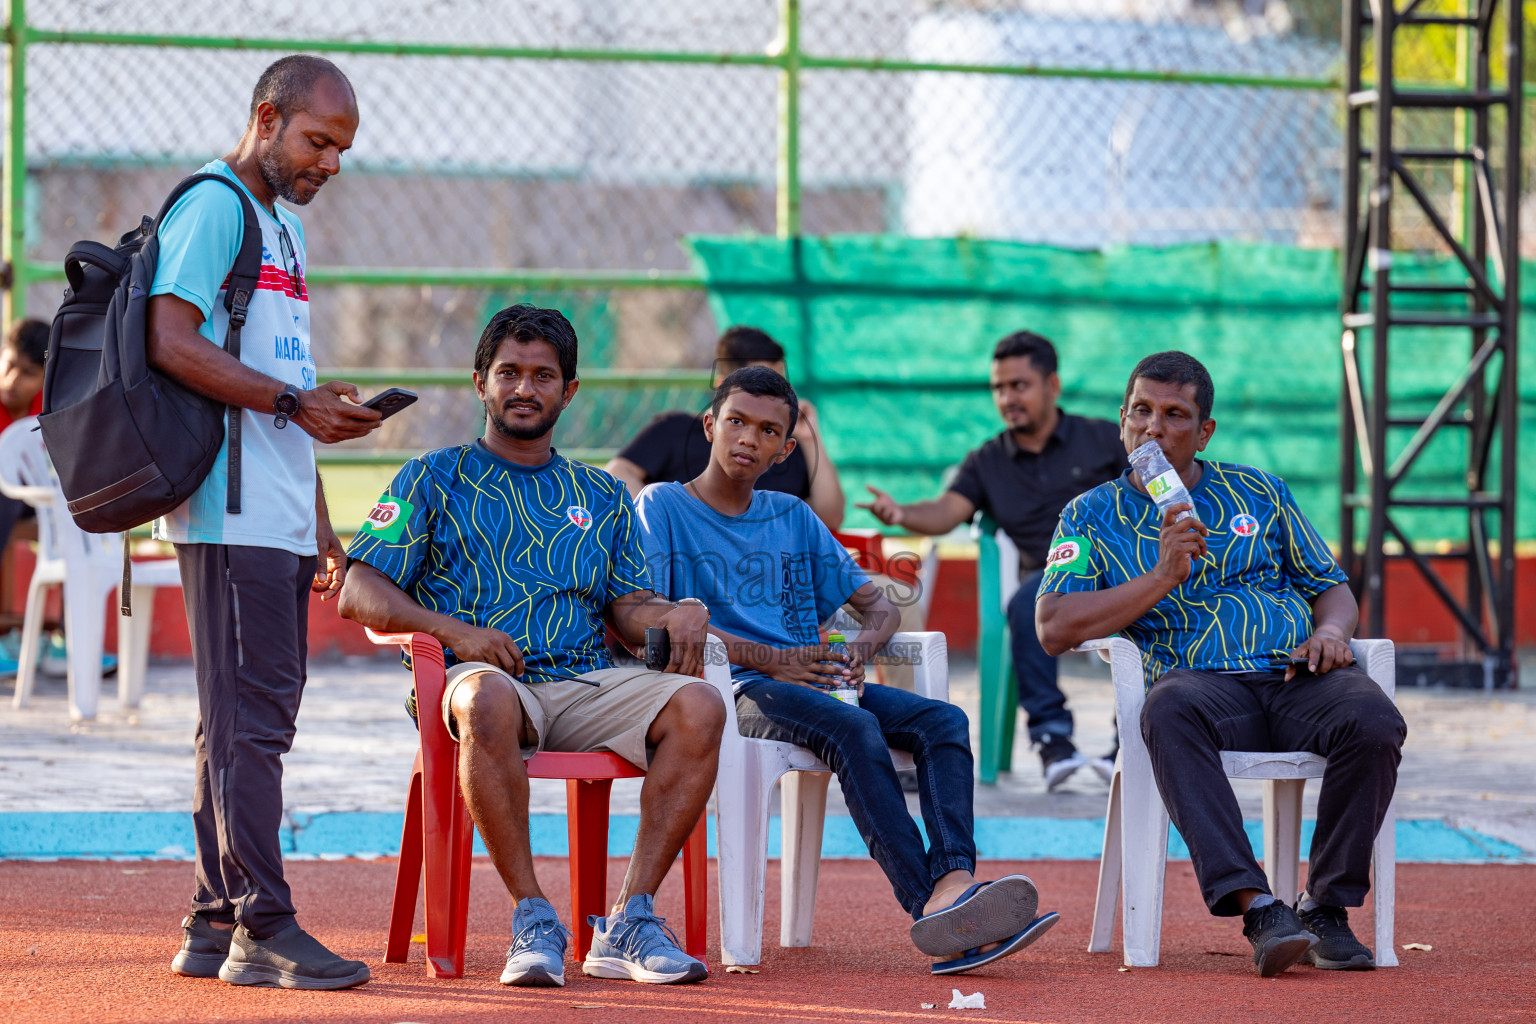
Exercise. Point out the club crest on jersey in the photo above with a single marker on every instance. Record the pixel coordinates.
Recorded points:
(580, 516)
(389, 517)
(1069, 555)
(1245, 525)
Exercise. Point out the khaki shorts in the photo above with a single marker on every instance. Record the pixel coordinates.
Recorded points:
(574, 717)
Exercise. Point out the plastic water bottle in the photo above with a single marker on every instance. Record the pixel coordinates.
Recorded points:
(845, 690)
(1159, 477)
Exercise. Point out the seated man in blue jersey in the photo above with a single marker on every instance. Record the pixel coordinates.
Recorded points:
(771, 572)
(1244, 620)
(513, 556)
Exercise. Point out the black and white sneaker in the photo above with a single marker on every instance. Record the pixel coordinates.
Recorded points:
(203, 948)
(1337, 948)
(1060, 759)
(290, 959)
(1279, 939)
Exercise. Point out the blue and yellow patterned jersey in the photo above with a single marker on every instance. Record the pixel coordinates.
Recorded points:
(536, 552)
(1246, 601)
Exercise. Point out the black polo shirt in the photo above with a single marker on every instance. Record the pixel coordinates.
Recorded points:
(1026, 492)
(672, 447)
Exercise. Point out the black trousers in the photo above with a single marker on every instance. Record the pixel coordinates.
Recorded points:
(248, 613)
(1190, 717)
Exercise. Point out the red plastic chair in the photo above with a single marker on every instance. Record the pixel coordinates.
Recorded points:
(438, 833)
(867, 546)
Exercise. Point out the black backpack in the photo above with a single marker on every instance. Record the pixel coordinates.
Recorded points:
(128, 443)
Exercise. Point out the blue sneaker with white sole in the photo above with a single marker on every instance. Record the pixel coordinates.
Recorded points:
(636, 944)
(537, 955)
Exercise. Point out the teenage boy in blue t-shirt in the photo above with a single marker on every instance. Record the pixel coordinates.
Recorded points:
(514, 557)
(771, 572)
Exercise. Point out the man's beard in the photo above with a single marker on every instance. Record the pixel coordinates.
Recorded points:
(276, 172)
(522, 433)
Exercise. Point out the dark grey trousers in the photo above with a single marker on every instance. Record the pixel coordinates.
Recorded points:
(1190, 717)
(248, 613)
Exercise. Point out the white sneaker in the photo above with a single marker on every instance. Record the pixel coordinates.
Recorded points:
(1062, 769)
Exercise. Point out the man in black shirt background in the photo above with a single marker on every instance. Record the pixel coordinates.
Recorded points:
(672, 447)
(1023, 478)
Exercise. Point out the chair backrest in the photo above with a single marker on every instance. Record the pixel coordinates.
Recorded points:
(997, 562)
(27, 474)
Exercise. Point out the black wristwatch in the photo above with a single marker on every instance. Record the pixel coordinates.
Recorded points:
(285, 405)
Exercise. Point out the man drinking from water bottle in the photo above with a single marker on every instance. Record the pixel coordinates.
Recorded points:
(771, 572)
(1243, 619)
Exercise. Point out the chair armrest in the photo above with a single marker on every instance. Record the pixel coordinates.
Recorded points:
(1379, 659)
(928, 654)
(717, 673)
(387, 639)
(1125, 668)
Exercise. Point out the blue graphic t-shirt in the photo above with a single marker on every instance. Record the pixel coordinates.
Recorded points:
(771, 575)
(1248, 600)
(536, 552)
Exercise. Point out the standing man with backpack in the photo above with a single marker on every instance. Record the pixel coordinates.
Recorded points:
(247, 575)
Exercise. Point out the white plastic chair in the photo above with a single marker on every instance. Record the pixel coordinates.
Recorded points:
(748, 770)
(1136, 823)
(90, 566)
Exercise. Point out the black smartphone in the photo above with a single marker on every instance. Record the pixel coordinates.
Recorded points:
(658, 648)
(391, 401)
(1282, 660)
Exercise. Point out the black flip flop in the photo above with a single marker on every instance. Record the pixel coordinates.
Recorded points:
(975, 958)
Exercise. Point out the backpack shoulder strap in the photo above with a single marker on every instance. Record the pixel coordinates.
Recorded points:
(237, 299)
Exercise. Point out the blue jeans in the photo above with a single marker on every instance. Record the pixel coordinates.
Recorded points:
(1039, 693)
(853, 741)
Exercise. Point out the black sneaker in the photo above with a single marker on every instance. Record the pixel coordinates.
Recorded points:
(203, 948)
(1059, 758)
(290, 959)
(1337, 948)
(1278, 936)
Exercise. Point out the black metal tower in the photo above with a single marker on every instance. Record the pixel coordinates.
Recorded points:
(1474, 310)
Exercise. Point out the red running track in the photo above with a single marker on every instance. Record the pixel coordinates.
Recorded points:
(92, 941)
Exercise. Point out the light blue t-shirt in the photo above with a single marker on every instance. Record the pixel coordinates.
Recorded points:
(199, 241)
(771, 575)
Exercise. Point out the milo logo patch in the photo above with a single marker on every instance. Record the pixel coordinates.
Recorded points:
(389, 517)
(1070, 554)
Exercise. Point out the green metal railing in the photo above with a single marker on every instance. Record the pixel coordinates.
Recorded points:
(787, 54)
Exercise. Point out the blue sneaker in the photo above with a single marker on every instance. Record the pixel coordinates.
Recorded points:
(636, 944)
(537, 955)
(53, 659)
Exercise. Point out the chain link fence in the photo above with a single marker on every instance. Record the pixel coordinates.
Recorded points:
(561, 150)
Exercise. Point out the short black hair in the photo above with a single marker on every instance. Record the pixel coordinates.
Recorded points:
(1179, 368)
(760, 381)
(525, 323)
(741, 345)
(29, 339)
(289, 81)
(1038, 350)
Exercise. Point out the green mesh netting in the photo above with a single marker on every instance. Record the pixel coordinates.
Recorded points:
(891, 338)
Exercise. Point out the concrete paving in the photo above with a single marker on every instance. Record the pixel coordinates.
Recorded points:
(1468, 760)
